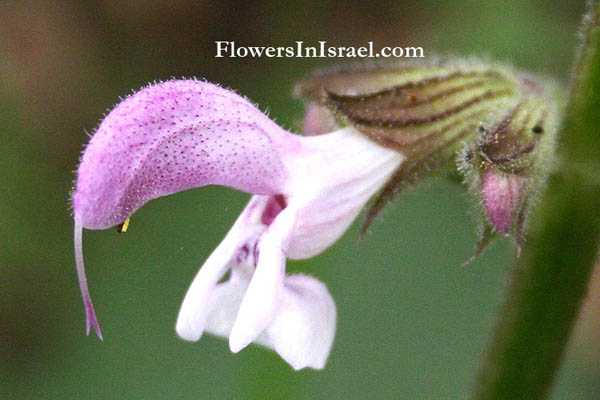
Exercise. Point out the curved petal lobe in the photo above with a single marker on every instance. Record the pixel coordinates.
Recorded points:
(195, 307)
(303, 329)
(174, 136)
(264, 291)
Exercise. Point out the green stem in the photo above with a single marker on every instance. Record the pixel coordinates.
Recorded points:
(550, 280)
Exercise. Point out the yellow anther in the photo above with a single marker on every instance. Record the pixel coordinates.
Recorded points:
(121, 228)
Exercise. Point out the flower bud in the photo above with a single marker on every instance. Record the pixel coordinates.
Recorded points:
(318, 120)
(501, 197)
(508, 165)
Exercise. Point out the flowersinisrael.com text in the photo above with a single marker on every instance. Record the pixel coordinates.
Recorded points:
(322, 50)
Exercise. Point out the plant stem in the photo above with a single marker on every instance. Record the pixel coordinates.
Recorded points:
(550, 280)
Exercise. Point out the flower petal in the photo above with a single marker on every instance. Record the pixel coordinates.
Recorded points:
(225, 300)
(332, 177)
(264, 292)
(174, 136)
(303, 329)
(195, 307)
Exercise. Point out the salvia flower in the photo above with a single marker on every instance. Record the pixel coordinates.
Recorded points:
(376, 128)
(181, 134)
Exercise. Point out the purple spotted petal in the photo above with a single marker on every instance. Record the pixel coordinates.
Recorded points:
(170, 137)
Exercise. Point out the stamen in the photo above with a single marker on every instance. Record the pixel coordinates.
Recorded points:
(122, 228)
(90, 314)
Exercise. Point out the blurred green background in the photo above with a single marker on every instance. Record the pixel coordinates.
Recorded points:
(411, 323)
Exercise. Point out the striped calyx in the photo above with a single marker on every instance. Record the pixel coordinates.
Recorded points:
(499, 125)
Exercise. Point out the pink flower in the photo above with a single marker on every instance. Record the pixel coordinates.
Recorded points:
(181, 134)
